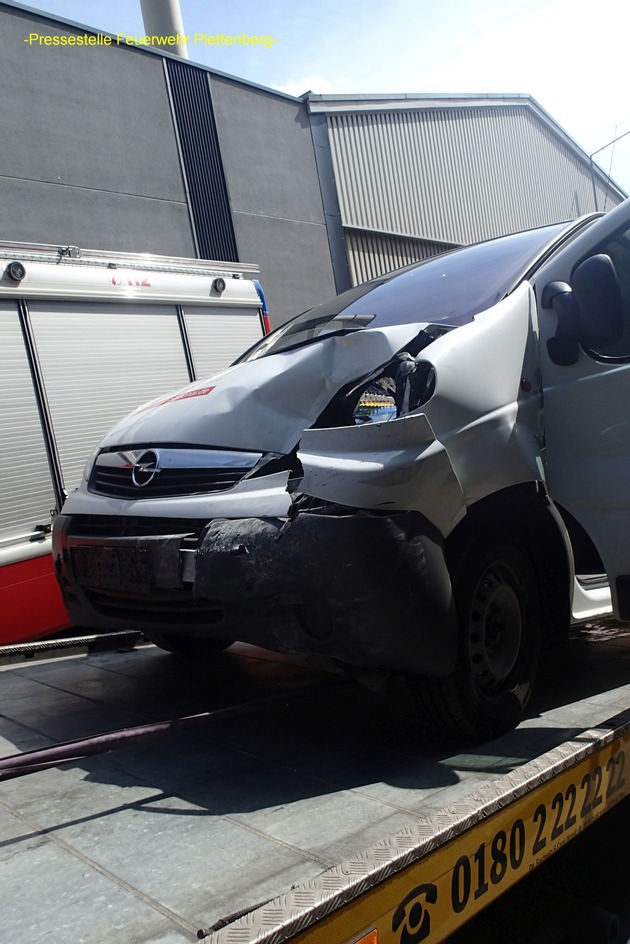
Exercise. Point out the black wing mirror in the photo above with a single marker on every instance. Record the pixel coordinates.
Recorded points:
(590, 310)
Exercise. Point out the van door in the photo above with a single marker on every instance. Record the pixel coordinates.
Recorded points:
(587, 405)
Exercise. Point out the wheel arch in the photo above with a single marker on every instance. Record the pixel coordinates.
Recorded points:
(522, 514)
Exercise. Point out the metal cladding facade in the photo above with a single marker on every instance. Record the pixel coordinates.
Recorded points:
(422, 174)
(128, 148)
(372, 254)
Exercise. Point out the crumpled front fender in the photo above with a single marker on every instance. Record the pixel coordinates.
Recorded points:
(393, 466)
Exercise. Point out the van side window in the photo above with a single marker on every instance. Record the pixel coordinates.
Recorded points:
(619, 251)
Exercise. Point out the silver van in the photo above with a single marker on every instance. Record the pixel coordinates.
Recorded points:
(428, 475)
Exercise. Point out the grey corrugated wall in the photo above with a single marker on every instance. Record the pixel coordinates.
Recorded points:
(457, 174)
(371, 255)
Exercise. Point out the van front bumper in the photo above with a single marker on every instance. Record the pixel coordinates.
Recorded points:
(368, 589)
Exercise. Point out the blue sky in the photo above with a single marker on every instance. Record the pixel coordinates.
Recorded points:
(570, 55)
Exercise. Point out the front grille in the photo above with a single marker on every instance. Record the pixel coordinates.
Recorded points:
(169, 483)
(120, 526)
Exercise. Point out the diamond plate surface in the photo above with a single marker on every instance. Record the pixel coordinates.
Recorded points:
(290, 914)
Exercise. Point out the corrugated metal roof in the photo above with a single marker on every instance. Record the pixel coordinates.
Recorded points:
(457, 173)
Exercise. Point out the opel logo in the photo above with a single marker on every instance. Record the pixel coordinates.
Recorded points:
(145, 468)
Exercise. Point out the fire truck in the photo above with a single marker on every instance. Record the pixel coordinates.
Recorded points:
(85, 336)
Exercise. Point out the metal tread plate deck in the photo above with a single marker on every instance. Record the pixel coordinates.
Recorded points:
(155, 841)
(421, 885)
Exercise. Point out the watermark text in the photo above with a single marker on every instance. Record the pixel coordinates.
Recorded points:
(123, 39)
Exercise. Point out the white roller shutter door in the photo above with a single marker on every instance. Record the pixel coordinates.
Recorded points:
(26, 491)
(99, 362)
(218, 337)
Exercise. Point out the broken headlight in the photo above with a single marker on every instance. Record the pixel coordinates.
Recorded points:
(377, 403)
(402, 385)
(407, 385)
(415, 383)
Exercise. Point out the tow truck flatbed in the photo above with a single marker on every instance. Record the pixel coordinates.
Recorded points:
(161, 839)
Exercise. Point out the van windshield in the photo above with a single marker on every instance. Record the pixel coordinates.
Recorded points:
(450, 288)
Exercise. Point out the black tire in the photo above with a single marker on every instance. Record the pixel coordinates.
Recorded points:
(189, 647)
(498, 611)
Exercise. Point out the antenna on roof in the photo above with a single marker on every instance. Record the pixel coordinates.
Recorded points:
(612, 143)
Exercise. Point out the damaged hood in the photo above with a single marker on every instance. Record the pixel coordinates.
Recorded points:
(262, 405)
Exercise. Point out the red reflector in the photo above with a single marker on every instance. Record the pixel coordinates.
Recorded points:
(266, 324)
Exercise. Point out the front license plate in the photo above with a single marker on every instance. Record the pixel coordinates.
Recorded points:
(111, 568)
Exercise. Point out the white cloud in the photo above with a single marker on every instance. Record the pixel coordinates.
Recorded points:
(310, 83)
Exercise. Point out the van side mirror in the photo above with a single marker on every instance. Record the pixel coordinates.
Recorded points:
(563, 346)
(598, 296)
(589, 311)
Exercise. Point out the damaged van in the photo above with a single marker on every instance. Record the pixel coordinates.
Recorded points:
(428, 475)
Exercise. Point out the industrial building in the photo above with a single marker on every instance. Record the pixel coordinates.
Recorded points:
(127, 148)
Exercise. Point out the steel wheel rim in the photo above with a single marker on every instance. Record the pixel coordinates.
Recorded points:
(495, 629)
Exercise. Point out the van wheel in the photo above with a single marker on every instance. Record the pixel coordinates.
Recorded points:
(189, 647)
(496, 598)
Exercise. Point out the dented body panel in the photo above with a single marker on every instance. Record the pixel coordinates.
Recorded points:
(488, 399)
(393, 466)
(335, 585)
